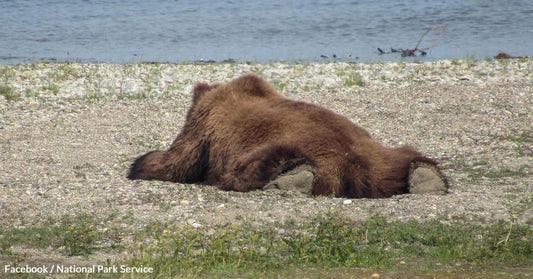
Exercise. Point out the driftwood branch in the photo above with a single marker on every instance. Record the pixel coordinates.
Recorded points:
(438, 30)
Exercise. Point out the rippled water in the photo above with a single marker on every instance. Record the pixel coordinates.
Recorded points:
(177, 31)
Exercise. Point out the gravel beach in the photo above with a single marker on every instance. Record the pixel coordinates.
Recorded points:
(68, 133)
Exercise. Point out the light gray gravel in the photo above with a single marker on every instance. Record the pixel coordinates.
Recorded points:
(67, 139)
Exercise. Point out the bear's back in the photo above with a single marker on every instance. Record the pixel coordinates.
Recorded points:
(248, 112)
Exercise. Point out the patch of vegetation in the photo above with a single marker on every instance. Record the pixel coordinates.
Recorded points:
(152, 144)
(139, 96)
(39, 237)
(64, 72)
(32, 94)
(524, 143)
(93, 95)
(8, 93)
(278, 85)
(7, 73)
(329, 242)
(482, 169)
(52, 88)
(75, 235)
(354, 80)
(82, 169)
(78, 235)
(522, 171)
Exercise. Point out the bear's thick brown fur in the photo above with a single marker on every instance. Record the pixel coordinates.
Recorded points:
(243, 134)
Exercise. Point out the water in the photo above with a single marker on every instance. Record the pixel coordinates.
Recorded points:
(256, 30)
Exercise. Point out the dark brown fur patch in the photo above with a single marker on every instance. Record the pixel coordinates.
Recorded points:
(149, 166)
(254, 170)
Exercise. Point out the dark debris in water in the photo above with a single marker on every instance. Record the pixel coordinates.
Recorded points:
(437, 31)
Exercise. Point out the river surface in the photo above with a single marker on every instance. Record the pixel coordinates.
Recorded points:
(260, 31)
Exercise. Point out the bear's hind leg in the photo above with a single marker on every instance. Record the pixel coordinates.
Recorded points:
(405, 170)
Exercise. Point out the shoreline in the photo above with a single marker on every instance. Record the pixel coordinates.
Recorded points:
(141, 80)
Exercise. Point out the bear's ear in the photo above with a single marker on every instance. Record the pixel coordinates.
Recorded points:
(199, 90)
(253, 85)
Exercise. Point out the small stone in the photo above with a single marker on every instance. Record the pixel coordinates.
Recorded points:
(196, 225)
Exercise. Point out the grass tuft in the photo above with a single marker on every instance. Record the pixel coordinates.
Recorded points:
(51, 88)
(78, 235)
(354, 80)
(8, 93)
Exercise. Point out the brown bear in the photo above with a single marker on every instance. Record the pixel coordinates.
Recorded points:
(244, 135)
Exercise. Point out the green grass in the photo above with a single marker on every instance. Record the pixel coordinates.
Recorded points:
(78, 235)
(8, 93)
(139, 96)
(64, 71)
(354, 80)
(278, 85)
(38, 237)
(75, 235)
(481, 169)
(51, 88)
(523, 141)
(328, 243)
(7, 73)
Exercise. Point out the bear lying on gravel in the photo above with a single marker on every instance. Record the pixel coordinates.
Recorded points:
(243, 136)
